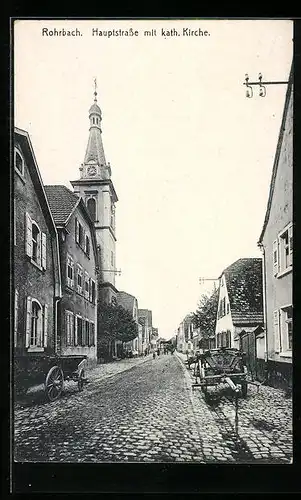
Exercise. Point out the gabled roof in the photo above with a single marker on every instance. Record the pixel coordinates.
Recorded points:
(126, 300)
(277, 154)
(62, 202)
(244, 286)
(142, 313)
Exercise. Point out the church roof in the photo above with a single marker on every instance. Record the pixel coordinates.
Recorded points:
(62, 202)
(95, 109)
(95, 149)
(244, 286)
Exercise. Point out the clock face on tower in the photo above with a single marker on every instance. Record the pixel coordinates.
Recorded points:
(91, 170)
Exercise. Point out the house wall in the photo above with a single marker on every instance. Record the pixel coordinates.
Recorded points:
(224, 323)
(278, 292)
(72, 300)
(29, 280)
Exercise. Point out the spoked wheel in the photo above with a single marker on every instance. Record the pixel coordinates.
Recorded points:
(54, 383)
(80, 382)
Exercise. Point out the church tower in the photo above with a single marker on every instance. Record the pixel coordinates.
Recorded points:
(96, 189)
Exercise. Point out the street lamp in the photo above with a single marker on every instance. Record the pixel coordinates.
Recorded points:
(262, 85)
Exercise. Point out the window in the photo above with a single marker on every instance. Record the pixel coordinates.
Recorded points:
(79, 279)
(35, 242)
(228, 308)
(287, 328)
(112, 215)
(91, 205)
(36, 324)
(78, 330)
(19, 162)
(86, 285)
(283, 251)
(69, 318)
(70, 271)
(79, 234)
(92, 295)
(16, 317)
(87, 246)
(86, 333)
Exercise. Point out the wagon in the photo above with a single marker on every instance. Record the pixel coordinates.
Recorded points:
(52, 370)
(222, 365)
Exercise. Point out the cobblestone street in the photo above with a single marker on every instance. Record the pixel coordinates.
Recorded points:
(145, 410)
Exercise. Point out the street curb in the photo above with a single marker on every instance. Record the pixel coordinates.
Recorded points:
(188, 384)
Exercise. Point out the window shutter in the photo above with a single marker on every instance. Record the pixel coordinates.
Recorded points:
(76, 231)
(45, 324)
(276, 331)
(44, 250)
(28, 235)
(16, 317)
(28, 321)
(275, 257)
(75, 331)
(290, 243)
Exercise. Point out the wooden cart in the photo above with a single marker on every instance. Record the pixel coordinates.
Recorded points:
(52, 370)
(222, 365)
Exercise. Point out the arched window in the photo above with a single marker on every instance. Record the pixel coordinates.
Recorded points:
(35, 243)
(19, 162)
(36, 324)
(91, 205)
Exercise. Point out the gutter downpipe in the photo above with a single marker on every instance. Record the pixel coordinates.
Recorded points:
(261, 246)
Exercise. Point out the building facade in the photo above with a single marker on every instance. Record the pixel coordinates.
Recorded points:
(37, 280)
(96, 188)
(239, 319)
(145, 320)
(276, 242)
(77, 310)
(130, 303)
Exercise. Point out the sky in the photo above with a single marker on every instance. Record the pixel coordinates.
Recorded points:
(191, 156)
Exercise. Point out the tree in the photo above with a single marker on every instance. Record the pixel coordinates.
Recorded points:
(116, 323)
(205, 316)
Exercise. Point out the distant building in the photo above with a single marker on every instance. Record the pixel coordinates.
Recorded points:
(185, 334)
(37, 280)
(276, 242)
(240, 310)
(77, 310)
(130, 303)
(145, 320)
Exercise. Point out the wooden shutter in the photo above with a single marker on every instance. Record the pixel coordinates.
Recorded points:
(28, 321)
(276, 332)
(28, 235)
(75, 331)
(290, 243)
(45, 324)
(275, 257)
(44, 250)
(76, 230)
(16, 317)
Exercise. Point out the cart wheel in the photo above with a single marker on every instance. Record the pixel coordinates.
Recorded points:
(80, 382)
(244, 390)
(54, 383)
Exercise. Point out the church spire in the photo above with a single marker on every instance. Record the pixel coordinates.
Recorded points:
(95, 161)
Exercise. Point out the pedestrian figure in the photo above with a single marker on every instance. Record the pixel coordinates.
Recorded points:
(158, 352)
(154, 355)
